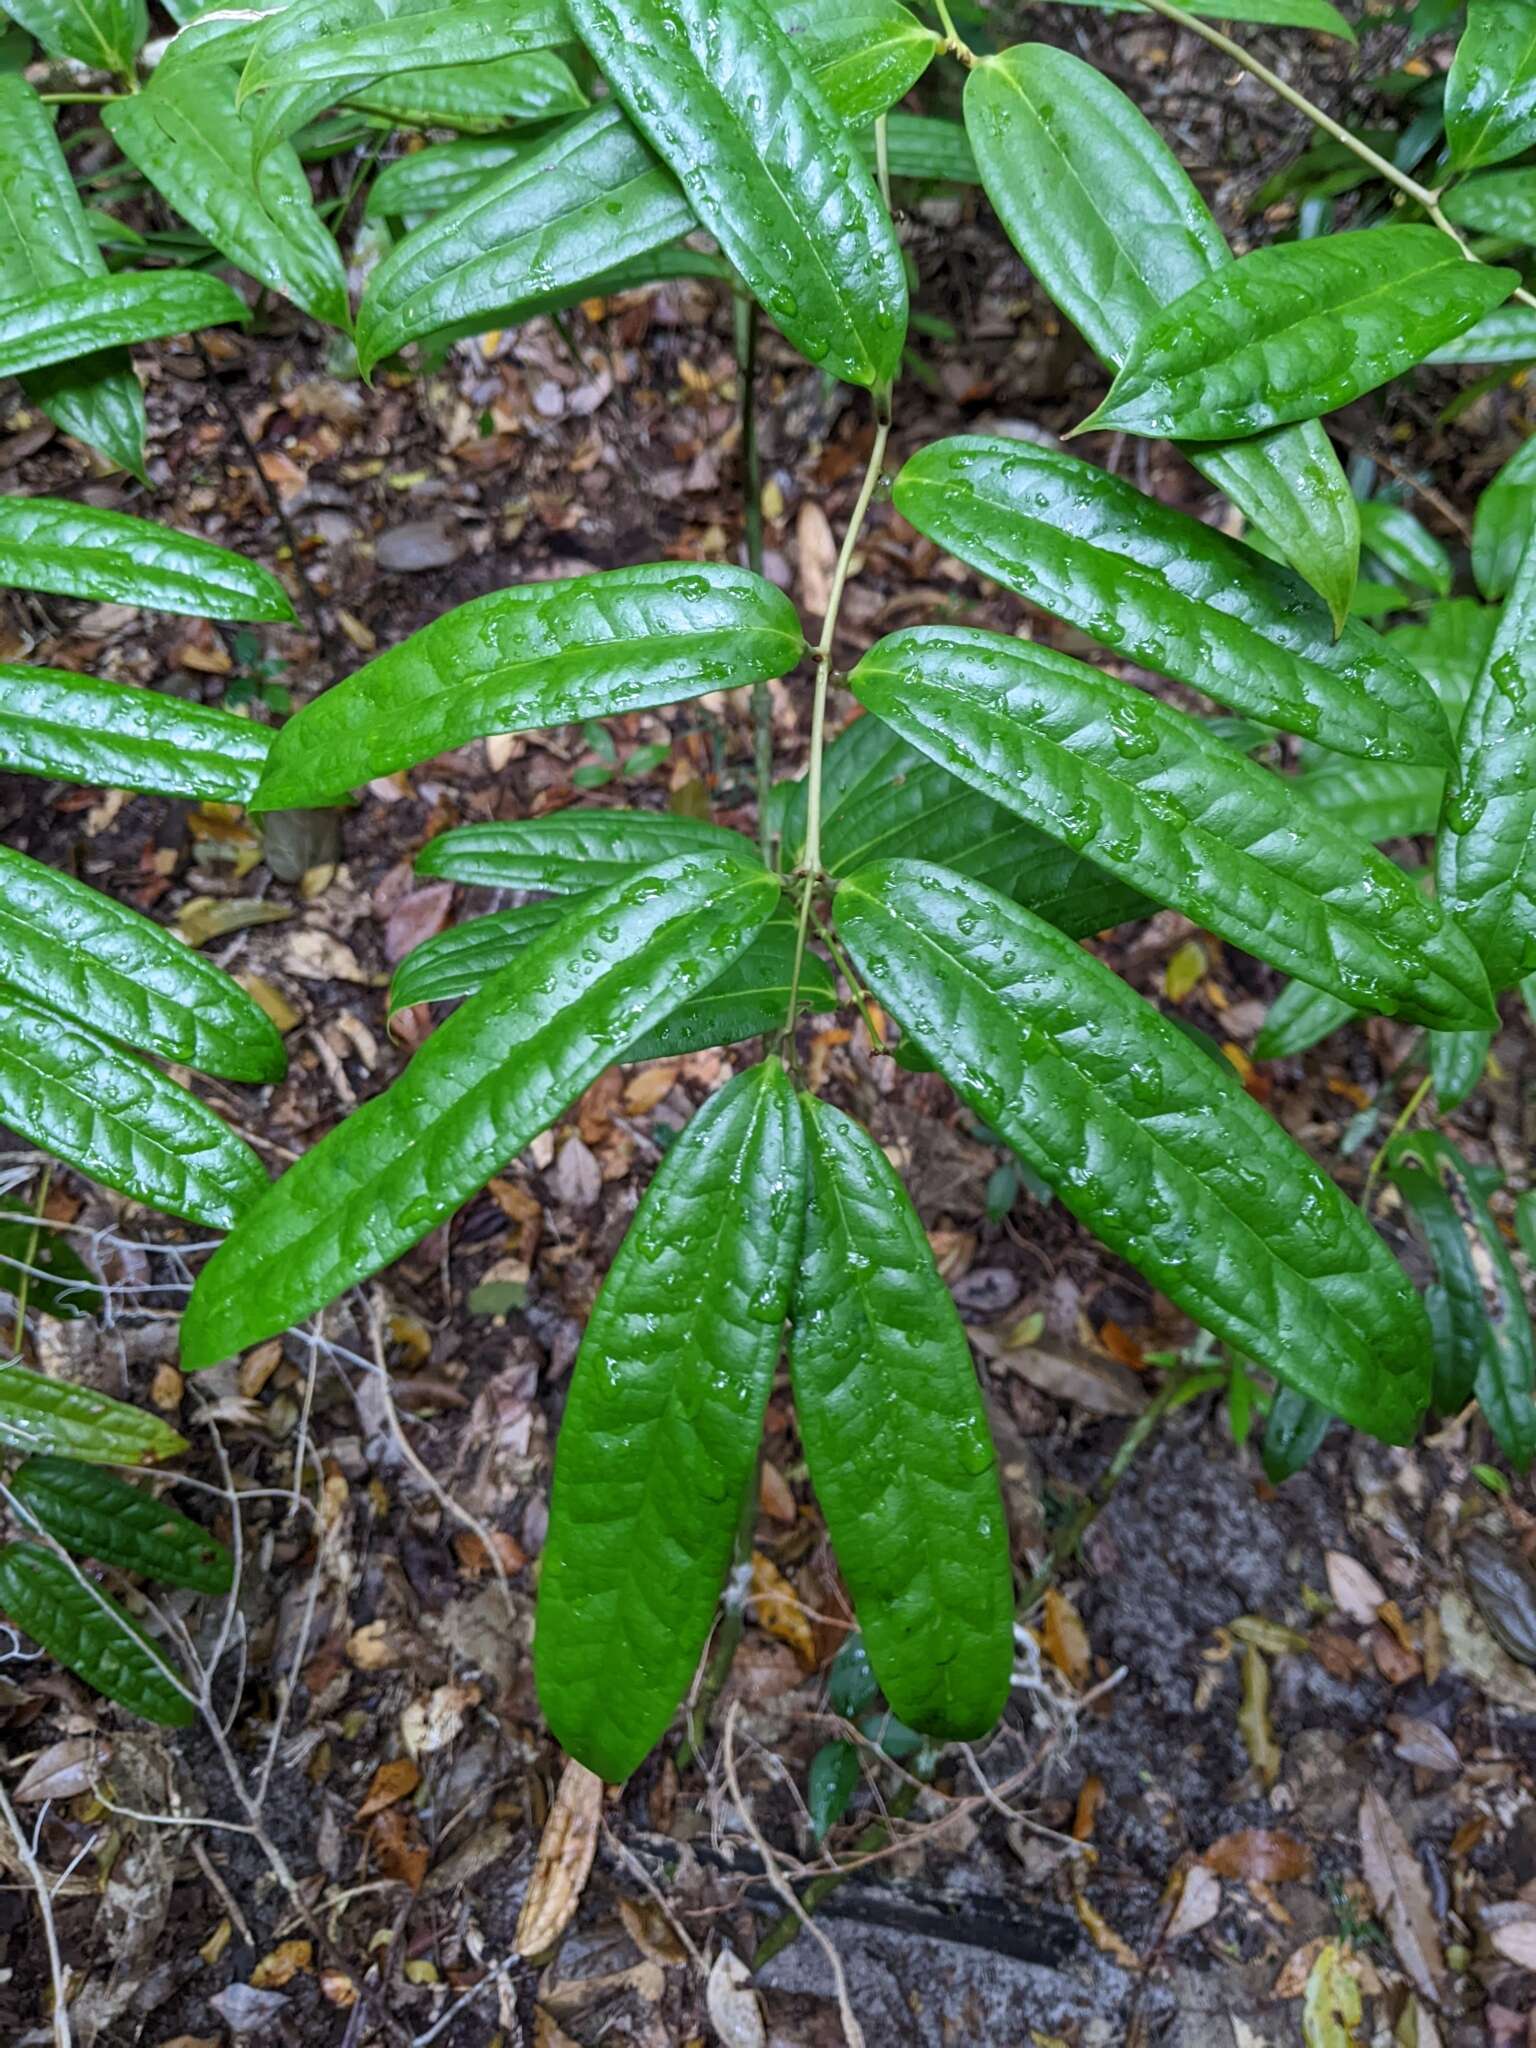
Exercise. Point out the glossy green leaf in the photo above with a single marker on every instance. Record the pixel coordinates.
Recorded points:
(724, 98)
(590, 198)
(46, 1415)
(1504, 522)
(572, 850)
(1144, 1138)
(658, 1446)
(1293, 1434)
(1456, 1063)
(537, 654)
(1482, 1329)
(105, 34)
(337, 42)
(1104, 214)
(485, 1083)
(897, 1441)
(1296, 330)
(37, 1260)
(1164, 590)
(90, 1634)
(94, 1514)
(97, 399)
(1316, 15)
(830, 1782)
(1500, 203)
(1485, 856)
(1404, 545)
(68, 321)
(1507, 335)
(121, 1121)
(1146, 793)
(73, 949)
(85, 551)
(1299, 1018)
(1490, 95)
(197, 150)
(114, 736)
(866, 54)
(430, 180)
(476, 99)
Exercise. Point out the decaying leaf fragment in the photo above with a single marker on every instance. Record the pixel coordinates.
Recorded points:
(566, 1849)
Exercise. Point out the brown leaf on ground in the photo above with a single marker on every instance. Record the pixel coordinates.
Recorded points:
(566, 1849)
(1065, 1640)
(1401, 1894)
(1262, 1853)
(392, 1782)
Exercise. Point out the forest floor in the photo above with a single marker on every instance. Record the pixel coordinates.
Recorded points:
(1248, 1721)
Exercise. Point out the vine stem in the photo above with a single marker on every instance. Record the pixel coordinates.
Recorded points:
(1422, 195)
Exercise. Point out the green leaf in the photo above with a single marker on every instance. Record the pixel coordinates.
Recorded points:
(1163, 590)
(1299, 1018)
(1405, 547)
(1507, 335)
(1504, 522)
(1146, 793)
(538, 654)
(340, 42)
(1456, 1063)
(1293, 1434)
(658, 1446)
(97, 1515)
(1490, 95)
(114, 736)
(1485, 856)
(897, 1441)
(572, 850)
(79, 1096)
(40, 1414)
(187, 137)
(1104, 214)
(98, 398)
(1296, 330)
(727, 102)
(590, 198)
(85, 551)
(90, 1634)
(1501, 203)
(830, 1783)
(1482, 1328)
(433, 179)
(1307, 14)
(38, 1260)
(486, 1082)
(105, 34)
(75, 950)
(477, 99)
(1145, 1139)
(68, 321)
(865, 54)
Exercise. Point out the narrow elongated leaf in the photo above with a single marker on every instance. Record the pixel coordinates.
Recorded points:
(1406, 547)
(1485, 855)
(1163, 590)
(897, 1441)
(40, 1414)
(1144, 1138)
(1500, 203)
(1296, 330)
(70, 947)
(572, 850)
(1299, 1018)
(865, 54)
(1490, 95)
(96, 1515)
(1482, 1327)
(90, 1634)
(1308, 14)
(535, 655)
(1507, 335)
(721, 94)
(589, 198)
(80, 1096)
(485, 1082)
(97, 399)
(1504, 522)
(1293, 1434)
(72, 320)
(476, 99)
(431, 180)
(85, 551)
(53, 722)
(1105, 215)
(105, 34)
(658, 1446)
(1149, 795)
(188, 138)
(322, 42)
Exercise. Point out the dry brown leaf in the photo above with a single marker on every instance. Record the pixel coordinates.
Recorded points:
(1262, 1853)
(734, 2011)
(1065, 1640)
(1199, 1903)
(780, 1610)
(63, 1770)
(392, 1782)
(1401, 1894)
(287, 1961)
(1353, 1590)
(1253, 1721)
(566, 1849)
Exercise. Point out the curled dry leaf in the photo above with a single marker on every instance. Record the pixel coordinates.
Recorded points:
(1263, 1854)
(734, 2010)
(566, 1849)
(1401, 1895)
